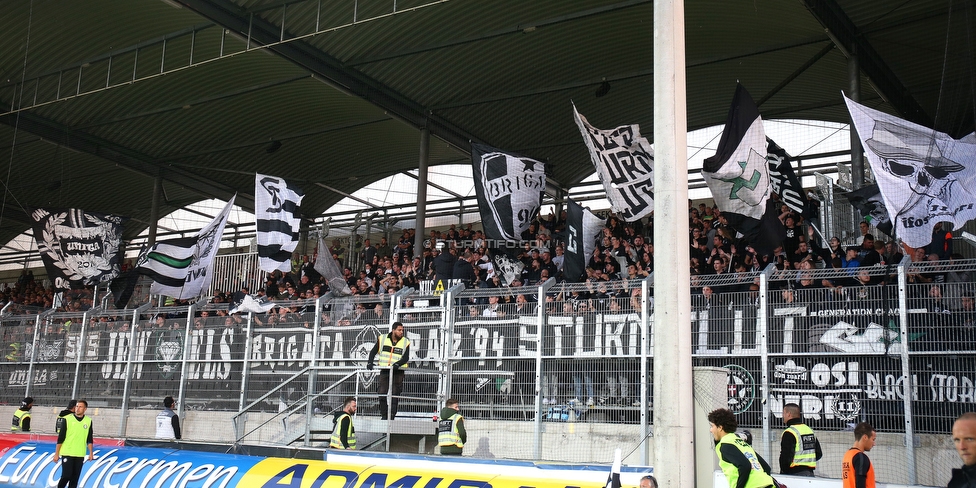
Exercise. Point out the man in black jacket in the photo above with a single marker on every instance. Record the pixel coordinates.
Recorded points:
(798, 457)
(964, 438)
(444, 263)
(464, 269)
(59, 423)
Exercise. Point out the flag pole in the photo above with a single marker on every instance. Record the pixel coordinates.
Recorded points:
(673, 418)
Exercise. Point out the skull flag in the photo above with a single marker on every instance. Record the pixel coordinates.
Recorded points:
(925, 176)
(78, 247)
(509, 189)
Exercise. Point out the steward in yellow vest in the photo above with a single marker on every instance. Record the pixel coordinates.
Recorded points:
(343, 432)
(22, 416)
(799, 447)
(391, 352)
(743, 467)
(74, 440)
(451, 435)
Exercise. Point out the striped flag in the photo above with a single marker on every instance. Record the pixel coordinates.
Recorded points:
(167, 262)
(180, 268)
(277, 208)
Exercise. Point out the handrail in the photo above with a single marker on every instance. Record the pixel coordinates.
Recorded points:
(300, 403)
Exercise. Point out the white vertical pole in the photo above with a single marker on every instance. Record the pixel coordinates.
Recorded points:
(674, 417)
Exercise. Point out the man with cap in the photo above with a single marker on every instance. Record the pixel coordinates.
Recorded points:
(59, 423)
(22, 417)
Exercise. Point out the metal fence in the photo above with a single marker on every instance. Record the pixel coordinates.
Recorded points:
(894, 346)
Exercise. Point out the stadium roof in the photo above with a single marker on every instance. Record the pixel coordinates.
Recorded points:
(97, 98)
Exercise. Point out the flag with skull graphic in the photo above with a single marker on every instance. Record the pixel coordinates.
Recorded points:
(925, 176)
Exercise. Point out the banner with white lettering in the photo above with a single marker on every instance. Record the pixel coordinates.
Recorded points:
(624, 162)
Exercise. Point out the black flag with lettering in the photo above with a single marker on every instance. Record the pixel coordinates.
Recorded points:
(783, 179)
(582, 230)
(78, 247)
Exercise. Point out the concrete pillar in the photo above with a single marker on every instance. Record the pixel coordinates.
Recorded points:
(673, 410)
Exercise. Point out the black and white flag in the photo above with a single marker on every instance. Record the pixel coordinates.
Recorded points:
(738, 175)
(277, 208)
(613, 479)
(624, 161)
(509, 189)
(925, 176)
(582, 230)
(78, 247)
(180, 268)
(508, 268)
(166, 263)
(869, 202)
(783, 179)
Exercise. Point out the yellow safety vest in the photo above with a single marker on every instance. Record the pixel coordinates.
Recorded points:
(447, 431)
(757, 477)
(805, 450)
(390, 352)
(18, 422)
(76, 436)
(336, 441)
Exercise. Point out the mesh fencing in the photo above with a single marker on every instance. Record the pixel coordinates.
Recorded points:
(559, 367)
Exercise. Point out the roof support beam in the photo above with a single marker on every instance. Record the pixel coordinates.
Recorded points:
(122, 156)
(783, 84)
(435, 185)
(332, 71)
(845, 34)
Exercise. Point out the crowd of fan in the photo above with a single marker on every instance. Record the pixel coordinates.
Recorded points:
(623, 251)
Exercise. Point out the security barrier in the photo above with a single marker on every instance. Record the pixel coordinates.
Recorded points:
(890, 345)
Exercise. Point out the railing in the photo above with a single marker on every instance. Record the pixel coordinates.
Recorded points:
(560, 365)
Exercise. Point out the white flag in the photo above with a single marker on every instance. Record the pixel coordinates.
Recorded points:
(925, 176)
(624, 161)
(252, 304)
(198, 272)
(277, 209)
(327, 267)
(737, 174)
